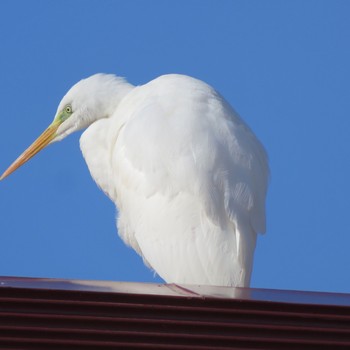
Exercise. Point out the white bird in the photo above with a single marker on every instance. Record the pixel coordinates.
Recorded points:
(187, 175)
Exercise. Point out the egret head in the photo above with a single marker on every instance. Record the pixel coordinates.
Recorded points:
(90, 99)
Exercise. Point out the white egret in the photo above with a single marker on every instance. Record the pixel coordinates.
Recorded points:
(187, 175)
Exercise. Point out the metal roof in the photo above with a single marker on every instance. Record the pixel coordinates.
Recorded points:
(61, 314)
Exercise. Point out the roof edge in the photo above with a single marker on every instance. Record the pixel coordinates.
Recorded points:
(193, 291)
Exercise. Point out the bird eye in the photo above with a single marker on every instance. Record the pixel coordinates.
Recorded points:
(68, 109)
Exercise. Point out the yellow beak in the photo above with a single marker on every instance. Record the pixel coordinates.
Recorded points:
(43, 140)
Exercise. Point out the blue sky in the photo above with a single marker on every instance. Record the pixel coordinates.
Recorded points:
(283, 65)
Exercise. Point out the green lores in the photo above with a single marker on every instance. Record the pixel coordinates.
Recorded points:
(66, 112)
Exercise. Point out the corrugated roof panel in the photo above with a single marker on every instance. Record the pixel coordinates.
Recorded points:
(53, 314)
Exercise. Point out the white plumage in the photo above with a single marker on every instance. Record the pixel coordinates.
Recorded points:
(187, 175)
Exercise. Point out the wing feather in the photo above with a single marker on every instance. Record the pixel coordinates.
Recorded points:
(189, 179)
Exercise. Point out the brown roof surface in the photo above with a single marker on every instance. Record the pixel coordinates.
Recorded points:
(60, 314)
